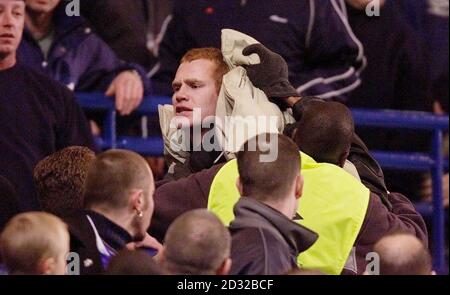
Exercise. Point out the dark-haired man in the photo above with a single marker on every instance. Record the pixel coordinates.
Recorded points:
(325, 133)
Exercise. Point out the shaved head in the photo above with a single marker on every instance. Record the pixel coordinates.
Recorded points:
(113, 174)
(120, 186)
(268, 180)
(403, 254)
(325, 132)
(196, 243)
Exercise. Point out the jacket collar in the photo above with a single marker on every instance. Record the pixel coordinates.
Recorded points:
(111, 233)
(252, 213)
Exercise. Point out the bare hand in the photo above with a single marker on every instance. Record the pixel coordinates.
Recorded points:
(147, 242)
(128, 89)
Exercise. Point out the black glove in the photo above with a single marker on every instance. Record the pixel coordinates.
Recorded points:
(271, 75)
(200, 160)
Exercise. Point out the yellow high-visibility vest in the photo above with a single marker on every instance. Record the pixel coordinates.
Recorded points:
(333, 204)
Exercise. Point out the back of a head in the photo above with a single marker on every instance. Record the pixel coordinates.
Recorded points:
(270, 179)
(30, 238)
(60, 179)
(403, 254)
(112, 175)
(9, 202)
(196, 243)
(325, 131)
(212, 54)
(133, 262)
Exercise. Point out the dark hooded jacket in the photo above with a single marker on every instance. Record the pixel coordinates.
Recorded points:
(83, 240)
(264, 241)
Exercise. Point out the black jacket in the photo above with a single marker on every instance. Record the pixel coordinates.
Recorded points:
(38, 117)
(83, 241)
(264, 241)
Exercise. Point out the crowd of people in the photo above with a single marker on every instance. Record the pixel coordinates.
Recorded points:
(301, 196)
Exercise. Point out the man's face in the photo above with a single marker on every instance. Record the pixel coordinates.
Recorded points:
(148, 207)
(194, 86)
(42, 6)
(12, 15)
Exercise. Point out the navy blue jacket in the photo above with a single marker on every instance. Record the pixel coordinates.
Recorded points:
(38, 116)
(430, 19)
(78, 58)
(314, 38)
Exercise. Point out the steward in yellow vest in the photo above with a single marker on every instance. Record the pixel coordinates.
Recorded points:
(333, 209)
(265, 239)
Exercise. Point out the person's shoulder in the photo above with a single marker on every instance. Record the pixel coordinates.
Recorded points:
(77, 223)
(256, 237)
(256, 251)
(81, 232)
(83, 243)
(42, 80)
(208, 173)
(199, 179)
(248, 233)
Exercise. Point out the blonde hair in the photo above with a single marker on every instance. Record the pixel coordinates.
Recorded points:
(212, 54)
(30, 238)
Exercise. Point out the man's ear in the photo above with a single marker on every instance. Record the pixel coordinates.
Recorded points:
(239, 186)
(137, 199)
(299, 180)
(344, 157)
(225, 268)
(46, 266)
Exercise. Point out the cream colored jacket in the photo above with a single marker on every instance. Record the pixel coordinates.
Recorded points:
(243, 111)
